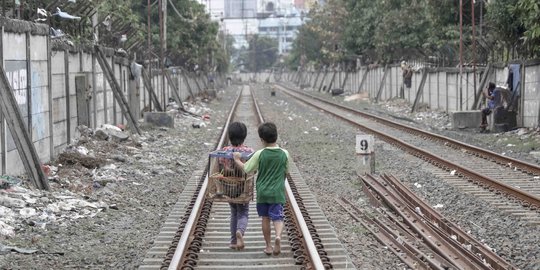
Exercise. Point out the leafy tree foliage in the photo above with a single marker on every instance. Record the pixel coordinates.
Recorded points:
(529, 11)
(192, 38)
(319, 40)
(392, 30)
(261, 54)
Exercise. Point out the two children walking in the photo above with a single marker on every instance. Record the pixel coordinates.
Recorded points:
(272, 165)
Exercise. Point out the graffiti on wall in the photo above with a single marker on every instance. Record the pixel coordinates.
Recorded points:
(16, 74)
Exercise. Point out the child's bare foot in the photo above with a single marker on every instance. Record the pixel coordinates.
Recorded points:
(268, 251)
(239, 240)
(232, 246)
(277, 246)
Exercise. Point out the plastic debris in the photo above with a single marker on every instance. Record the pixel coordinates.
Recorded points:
(65, 15)
(6, 230)
(7, 181)
(418, 211)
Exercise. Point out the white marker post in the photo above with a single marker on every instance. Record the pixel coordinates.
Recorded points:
(365, 154)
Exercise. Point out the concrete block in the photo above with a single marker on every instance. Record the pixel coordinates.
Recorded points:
(160, 119)
(466, 119)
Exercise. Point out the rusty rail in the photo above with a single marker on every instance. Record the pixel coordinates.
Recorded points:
(442, 236)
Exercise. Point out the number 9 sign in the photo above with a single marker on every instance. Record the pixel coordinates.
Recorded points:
(364, 144)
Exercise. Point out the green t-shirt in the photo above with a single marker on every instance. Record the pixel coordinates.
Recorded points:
(272, 164)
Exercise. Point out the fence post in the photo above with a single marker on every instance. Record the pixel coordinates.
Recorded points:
(150, 89)
(19, 132)
(364, 77)
(381, 85)
(115, 87)
(420, 88)
(487, 74)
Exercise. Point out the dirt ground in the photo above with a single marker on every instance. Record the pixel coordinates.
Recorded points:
(110, 196)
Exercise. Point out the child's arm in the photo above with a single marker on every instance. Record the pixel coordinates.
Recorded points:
(237, 161)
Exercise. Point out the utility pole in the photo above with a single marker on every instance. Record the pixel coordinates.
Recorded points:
(461, 54)
(148, 53)
(165, 4)
(161, 38)
(473, 45)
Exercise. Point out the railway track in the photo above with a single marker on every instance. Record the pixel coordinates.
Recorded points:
(196, 234)
(433, 243)
(477, 171)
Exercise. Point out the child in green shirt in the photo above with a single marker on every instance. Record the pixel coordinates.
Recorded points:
(272, 164)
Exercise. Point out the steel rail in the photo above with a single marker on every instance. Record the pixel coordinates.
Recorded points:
(522, 165)
(183, 244)
(414, 258)
(445, 226)
(459, 257)
(530, 199)
(190, 225)
(308, 241)
(313, 253)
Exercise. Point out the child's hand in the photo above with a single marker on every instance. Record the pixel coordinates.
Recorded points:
(237, 155)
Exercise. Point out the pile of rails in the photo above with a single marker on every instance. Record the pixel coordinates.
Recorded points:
(420, 236)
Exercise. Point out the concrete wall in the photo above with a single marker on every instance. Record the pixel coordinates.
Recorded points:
(531, 96)
(444, 89)
(43, 80)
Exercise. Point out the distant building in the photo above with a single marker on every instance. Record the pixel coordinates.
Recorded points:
(283, 27)
(243, 18)
(237, 9)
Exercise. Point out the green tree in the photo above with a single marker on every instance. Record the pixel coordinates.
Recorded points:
(529, 11)
(262, 53)
(320, 39)
(192, 38)
(504, 24)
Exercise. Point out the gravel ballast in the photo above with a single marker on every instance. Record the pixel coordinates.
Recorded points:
(130, 200)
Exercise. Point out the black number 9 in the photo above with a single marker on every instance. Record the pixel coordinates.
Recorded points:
(363, 145)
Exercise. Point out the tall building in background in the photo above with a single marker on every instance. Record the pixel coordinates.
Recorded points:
(278, 19)
(240, 8)
(282, 26)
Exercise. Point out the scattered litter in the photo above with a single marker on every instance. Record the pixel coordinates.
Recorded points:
(417, 185)
(65, 15)
(362, 96)
(7, 249)
(7, 181)
(290, 118)
(137, 184)
(437, 206)
(418, 211)
(6, 230)
(453, 172)
(305, 132)
(109, 167)
(27, 212)
(82, 150)
(315, 128)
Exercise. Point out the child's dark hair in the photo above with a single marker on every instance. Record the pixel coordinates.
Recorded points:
(491, 85)
(237, 133)
(268, 132)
